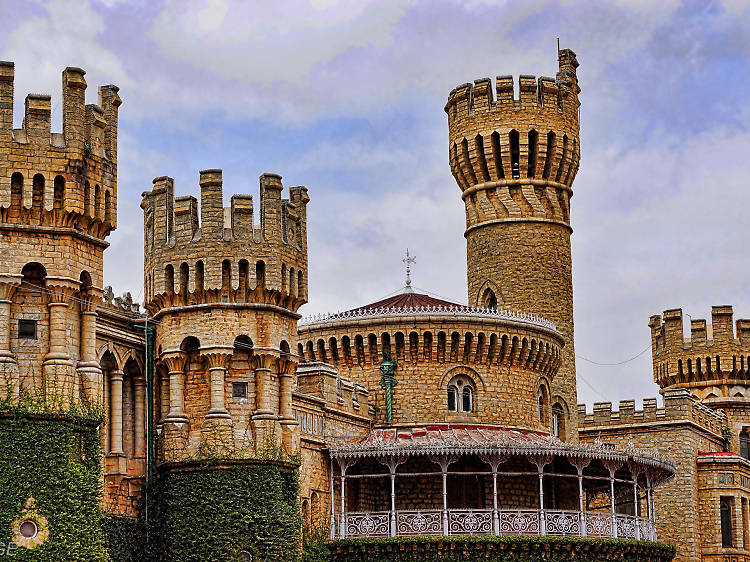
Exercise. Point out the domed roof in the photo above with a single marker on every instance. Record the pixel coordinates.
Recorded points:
(406, 300)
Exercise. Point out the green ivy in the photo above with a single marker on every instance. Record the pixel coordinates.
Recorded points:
(54, 457)
(126, 538)
(213, 510)
(496, 549)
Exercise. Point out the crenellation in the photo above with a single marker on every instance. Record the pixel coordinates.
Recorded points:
(711, 362)
(36, 120)
(679, 405)
(66, 180)
(224, 256)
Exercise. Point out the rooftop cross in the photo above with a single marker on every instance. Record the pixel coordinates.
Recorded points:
(408, 260)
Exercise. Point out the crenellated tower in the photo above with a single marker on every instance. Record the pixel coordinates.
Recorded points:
(515, 161)
(713, 363)
(58, 202)
(225, 294)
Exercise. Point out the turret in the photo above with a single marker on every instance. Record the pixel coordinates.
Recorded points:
(66, 179)
(515, 161)
(224, 294)
(224, 256)
(713, 362)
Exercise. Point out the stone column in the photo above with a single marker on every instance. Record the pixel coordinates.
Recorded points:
(175, 430)
(57, 369)
(139, 434)
(288, 422)
(216, 429)
(264, 419)
(9, 377)
(89, 370)
(115, 416)
(217, 358)
(175, 362)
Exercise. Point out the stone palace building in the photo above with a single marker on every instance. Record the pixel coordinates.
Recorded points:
(220, 413)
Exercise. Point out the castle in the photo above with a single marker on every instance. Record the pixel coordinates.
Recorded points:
(220, 423)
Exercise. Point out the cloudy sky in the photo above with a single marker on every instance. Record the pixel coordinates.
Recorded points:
(346, 97)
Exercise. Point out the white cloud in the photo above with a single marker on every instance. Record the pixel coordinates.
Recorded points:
(271, 41)
(66, 35)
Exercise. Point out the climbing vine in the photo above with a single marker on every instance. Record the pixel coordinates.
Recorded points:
(50, 473)
(215, 510)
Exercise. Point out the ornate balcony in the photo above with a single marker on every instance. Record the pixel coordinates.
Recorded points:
(561, 523)
(482, 480)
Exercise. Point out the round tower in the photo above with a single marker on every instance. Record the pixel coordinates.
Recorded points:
(58, 203)
(224, 294)
(515, 161)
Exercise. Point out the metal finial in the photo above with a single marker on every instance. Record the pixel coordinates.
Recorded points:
(408, 260)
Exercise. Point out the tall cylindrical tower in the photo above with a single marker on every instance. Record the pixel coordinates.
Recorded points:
(515, 161)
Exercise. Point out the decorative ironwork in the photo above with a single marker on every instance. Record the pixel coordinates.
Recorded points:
(471, 522)
(563, 523)
(474, 311)
(480, 522)
(419, 523)
(519, 522)
(598, 524)
(367, 524)
(626, 526)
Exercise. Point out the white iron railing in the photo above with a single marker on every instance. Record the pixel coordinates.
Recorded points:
(427, 310)
(488, 522)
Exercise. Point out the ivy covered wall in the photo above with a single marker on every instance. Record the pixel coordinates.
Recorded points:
(216, 510)
(50, 475)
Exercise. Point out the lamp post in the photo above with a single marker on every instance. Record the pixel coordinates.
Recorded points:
(387, 382)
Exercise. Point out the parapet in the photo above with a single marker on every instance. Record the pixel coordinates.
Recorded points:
(516, 158)
(679, 405)
(211, 253)
(60, 179)
(322, 380)
(715, 354)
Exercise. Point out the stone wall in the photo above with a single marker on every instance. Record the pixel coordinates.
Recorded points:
(679, 430)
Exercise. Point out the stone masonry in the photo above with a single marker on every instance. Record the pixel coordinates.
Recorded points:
(515, 162)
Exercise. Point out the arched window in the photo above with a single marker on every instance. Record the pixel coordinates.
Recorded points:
(467, 399)
(745, 444)
(452, 398)
(461, 394)
(558, 421)
(489, 300)
(542, 405)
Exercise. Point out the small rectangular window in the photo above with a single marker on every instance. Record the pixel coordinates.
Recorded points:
(239, 390)
(726, 522)
(27, 329)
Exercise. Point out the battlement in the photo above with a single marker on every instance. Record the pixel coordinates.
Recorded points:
(678, 405)
(60, 179)
(516, 158)
(211, 253)
(715, 354)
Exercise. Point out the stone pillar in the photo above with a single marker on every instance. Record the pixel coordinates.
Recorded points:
(175, 430)
(217, 358)
(9, 376)
(176, 362)
(163, 391)
(89, 370)
(139, 434)
(115, 415)
(59, 375)
(289, 425)
(264, 419)
(216, 429)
